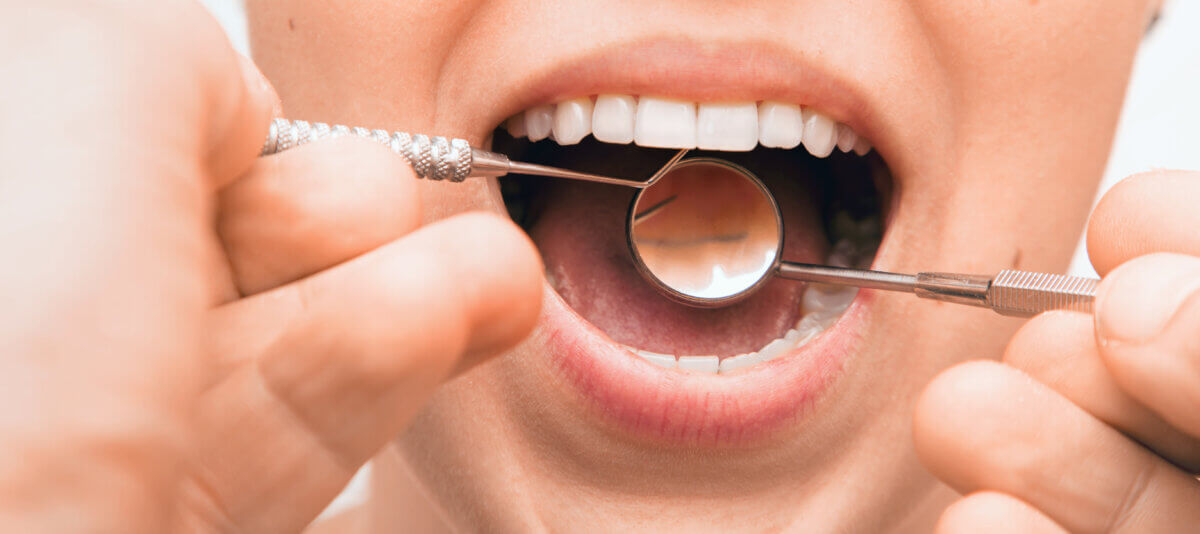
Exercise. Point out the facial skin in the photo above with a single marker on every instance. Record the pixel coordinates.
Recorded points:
(995, 119)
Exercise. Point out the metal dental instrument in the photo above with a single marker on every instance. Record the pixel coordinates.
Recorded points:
(712, 235)
(432, 158)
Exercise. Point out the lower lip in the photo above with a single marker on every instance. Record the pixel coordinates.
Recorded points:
(668, 406)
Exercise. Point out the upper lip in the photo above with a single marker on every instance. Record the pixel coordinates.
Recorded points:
(634, 395)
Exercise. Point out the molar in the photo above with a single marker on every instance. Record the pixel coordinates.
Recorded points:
(846, 138)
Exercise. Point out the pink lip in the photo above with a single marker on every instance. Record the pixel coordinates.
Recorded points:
(668, 406)
(673, 406)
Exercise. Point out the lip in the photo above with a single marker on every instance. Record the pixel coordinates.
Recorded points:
(670, 407)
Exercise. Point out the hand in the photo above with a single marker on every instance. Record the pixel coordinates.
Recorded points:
(1092, 424)
(143, 391)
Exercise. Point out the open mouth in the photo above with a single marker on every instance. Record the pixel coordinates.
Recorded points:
(833, 191)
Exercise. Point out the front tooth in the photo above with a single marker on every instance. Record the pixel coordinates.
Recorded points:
(703, 364)
(846, 138)
(732, 127)
(862, 147)
(613, 118)
(572, 120)
(516, 125)
(780, 125)
(661, 360)
(819, 134)
(539, 122)
(737, 362)
(665, 123)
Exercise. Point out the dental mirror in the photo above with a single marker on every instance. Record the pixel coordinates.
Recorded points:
(708, 233)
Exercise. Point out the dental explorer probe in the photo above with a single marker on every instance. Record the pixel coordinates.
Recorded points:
(431, 158)
(1015, 293)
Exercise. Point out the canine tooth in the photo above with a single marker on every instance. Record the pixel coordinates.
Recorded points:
(780, 125)
(775, 349)
(539, 122)
(516, 125)
(665, 123)
(732, 126)
(572, 120)
(862, 147)
(661, 360)
(819, 134)
(733, 363)
(613, 118)
(703, 364)
(846, 138)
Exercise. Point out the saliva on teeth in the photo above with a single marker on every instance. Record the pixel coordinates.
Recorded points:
(821, 306)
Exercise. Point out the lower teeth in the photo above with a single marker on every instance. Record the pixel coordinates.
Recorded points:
(821, 307)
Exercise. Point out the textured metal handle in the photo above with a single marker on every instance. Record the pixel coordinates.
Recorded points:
(433, 158)
(1026, 294)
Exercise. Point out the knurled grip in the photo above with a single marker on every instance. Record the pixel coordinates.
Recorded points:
(1025, 294)
(432, 158)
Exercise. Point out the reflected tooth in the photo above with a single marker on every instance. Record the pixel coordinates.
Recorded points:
(819, 134)
(862, 147)
(572, 120)
(661, 360)
(665, 123)
(731, 364)
(539, 122)
(846, 138)
(702, 364)
(516, 125)
(780, 125)
(613, 118)
(732, 127)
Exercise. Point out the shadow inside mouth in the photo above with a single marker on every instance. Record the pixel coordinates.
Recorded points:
(579, 229)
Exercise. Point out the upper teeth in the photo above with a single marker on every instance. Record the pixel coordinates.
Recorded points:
(668, 123)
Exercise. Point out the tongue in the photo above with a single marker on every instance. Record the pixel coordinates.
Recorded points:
(581, 235)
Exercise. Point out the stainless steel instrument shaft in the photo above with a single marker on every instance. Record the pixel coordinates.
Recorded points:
(1016, 293)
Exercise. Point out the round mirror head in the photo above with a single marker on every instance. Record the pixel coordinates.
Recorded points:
(708, 232)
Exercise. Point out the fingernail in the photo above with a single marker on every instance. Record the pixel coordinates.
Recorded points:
(1137, 300)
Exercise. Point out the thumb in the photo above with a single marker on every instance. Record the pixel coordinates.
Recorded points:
(1148, 325)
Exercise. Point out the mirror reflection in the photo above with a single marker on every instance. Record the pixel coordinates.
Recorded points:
(708, 230)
